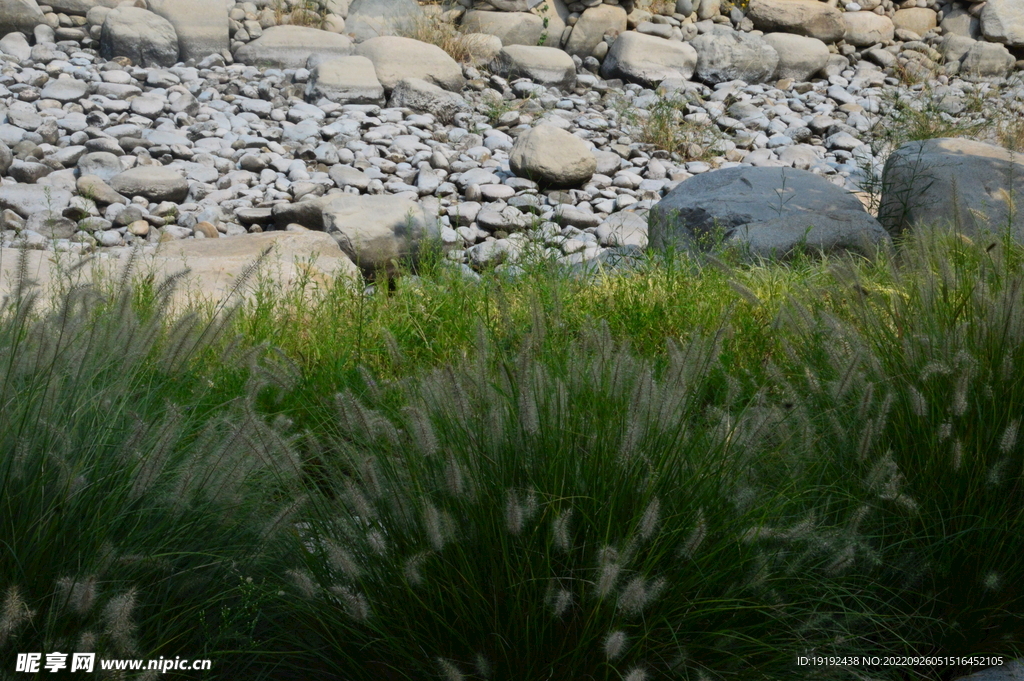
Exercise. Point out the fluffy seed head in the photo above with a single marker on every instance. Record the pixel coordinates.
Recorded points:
(483, 667)
(649, 521)
(355, 604)
(454, 479)
(697, 535)
(959, 406)
(560, 529)
(958, 455)
(918, 405)
(992, 581)
(945, 431)
(609, 571)
(435, 528)
(636, 674)
(450, 671)
(638, 594)
(561, 602)
(304, 583)
(119, 625)
(341, 560)
(513, 513)
(412, 568)
(377, 542)
(14, 613)
(79, 595)
(614, 644)
(1009, 439)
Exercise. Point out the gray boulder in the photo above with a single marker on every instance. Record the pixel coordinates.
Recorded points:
(952, 182)
(545, 65)
(864, 29)
(648, 60)
(373, 18)
(377, 231)
(396, 58)
(592, 26)
(29, 199)
(960, 22)
(201, 25)
(419, 95)
(346, 80)
(19, 15)
(768, 211)
(987, 60)
(16, 45)
(552, 157)
(145, 38)
(803, 17)
(724, 55)
(155, 183)
(512, 28)
(102, 164)
(1002, 21)
(800, 57)
(290, 47)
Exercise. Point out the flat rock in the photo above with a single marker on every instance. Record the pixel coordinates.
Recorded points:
(395, 58)
(156, 183)
(512, 28)
(544, 65)
(803, 17)
(29, 199)
(346, 80)
(951, 182)
(648, 60)
(419, 95)
(770, 211)
(374, 18)
(290, 47)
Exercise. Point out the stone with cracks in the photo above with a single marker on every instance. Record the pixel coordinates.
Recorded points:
(1002, 21)
(949, 182)
(724, 55)
(648, 60)
(768, 211)
(378, 231)
(419, 95)
(290, 47)
(552, 157)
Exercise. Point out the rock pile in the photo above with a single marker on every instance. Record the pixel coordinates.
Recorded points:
(160, 120)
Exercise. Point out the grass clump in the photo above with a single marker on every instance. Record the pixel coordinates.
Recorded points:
(672, 472)
(663, 126)
(434, 30)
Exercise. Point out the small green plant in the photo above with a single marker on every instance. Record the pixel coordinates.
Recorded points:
(663, 127)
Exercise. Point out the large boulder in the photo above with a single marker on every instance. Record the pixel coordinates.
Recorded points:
(290, 47)
(146, 38)
(770, 211)
(917, 20)
(419, 95)
(592, 26)
(374, 18)
(512, 28)
(960, 22)
(19, 15)
(155, 183)
(1003, 22)
(377, 231)
(648, 60)
(987, 60)
(803, 17)
(201, 25)
(545, 65)
(800, 57)
(864, 29)
(395, 58)
(724, 55)
(346, 80)
(552, 157)
(29, 199)
(952, 182)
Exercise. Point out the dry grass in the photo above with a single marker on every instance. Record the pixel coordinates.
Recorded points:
(446, 35)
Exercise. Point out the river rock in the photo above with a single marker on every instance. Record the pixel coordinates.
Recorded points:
(290, 47)
(1003, 22)
(201, 25)
(552, 157)
(544, 65)
(864, 29)
(592, 26)
(800, 57)
(724, 55)
(346, 80)
(395, 58)
(155, 183)
(512, 28)
(648, 60)
(145, 38)
(803, 17)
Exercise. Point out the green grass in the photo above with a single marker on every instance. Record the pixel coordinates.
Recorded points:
(690, 470)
